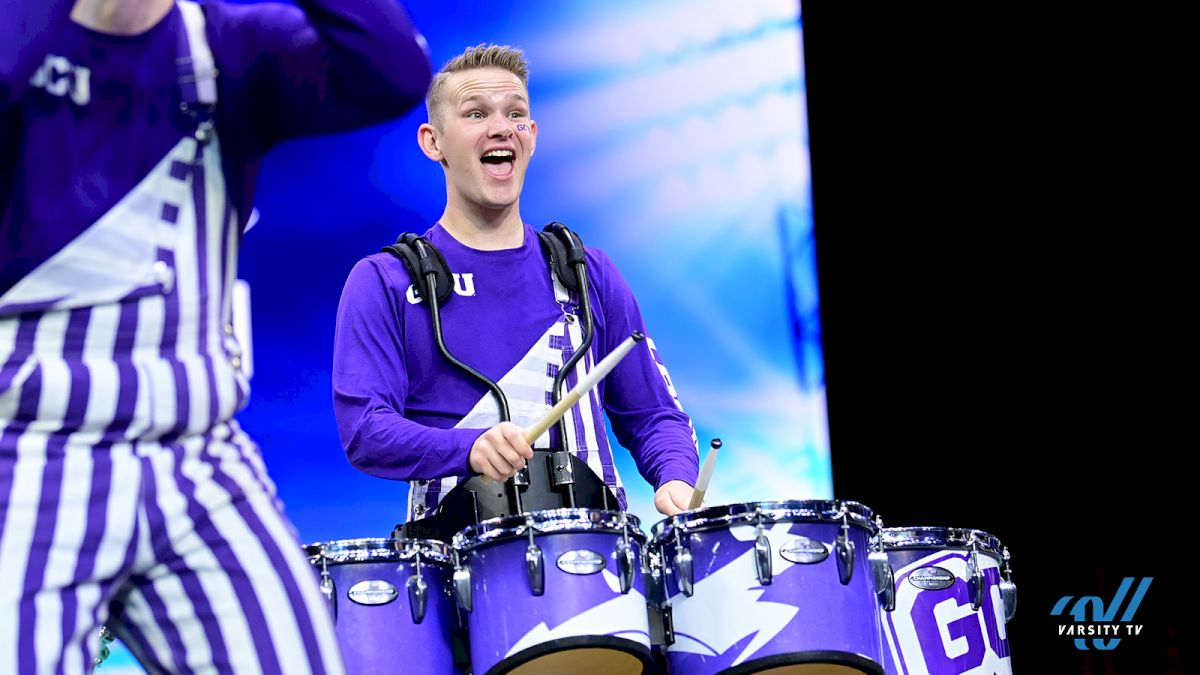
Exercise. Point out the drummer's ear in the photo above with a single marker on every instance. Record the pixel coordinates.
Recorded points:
(427, 138)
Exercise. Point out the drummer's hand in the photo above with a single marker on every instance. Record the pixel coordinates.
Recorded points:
(500, 452)
(672, 497)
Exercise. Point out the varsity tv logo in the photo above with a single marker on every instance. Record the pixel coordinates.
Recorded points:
(1100, 622)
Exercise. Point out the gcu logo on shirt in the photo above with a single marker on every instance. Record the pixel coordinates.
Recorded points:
(60, 77)
(1100, 622)
(464, 284)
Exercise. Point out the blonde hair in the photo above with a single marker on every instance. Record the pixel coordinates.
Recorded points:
(481, 55)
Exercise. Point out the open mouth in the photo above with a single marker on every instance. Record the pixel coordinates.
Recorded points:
(498, 163)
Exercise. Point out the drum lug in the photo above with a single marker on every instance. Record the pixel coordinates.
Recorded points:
(683, 566)
(844, 548)
(535, 563)
(462, 586)
(625, 565)
(417, 597)
(1008, 594)
(535, 568)
(976, 583)
(329, 589)
(1008, 590)
(762, 559)
(762, 552)
(885, 579)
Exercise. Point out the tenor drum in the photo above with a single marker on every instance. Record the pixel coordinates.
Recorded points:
(391, 602)
(770, 587)
(557, 591)
(953, 597)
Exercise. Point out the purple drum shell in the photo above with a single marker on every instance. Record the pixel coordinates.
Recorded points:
(509, 625)
(734, 624)
(975, 640)
(382, 639)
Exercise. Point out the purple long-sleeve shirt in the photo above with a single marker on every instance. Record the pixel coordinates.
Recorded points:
(406, 413)
(105, 109)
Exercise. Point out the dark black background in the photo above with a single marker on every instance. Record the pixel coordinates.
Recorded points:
(1000, 268)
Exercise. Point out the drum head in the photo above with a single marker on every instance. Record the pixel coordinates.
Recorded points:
(896, 538)
(728, 515)
(548, 522)
(378, 549)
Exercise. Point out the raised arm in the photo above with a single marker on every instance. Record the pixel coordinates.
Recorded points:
(329, 65)
(370, 383)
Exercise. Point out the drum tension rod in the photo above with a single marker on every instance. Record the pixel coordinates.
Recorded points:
(885, 577)
(1008, 590)
(845, 549)
(625, 559)
(762, 551)
(462, 582)
(683, 563)
(976, 583)
(535, 564)
(328, 588)
(417, 592)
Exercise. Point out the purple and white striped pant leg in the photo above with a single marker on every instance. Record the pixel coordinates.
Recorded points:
(58, 558)
(187, 537)
(203, 572)
(219, 577)
(69, 518)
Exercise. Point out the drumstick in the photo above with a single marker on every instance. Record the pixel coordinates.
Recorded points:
(585, 384)
(705, 475)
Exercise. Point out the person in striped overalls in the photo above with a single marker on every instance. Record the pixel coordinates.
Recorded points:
(406, 413)
(130, 136)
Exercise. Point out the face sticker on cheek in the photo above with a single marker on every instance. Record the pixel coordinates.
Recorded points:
(523, 127)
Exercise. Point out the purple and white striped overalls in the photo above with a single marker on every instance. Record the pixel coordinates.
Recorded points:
(128, 494)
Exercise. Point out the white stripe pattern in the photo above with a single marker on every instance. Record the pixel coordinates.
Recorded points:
(84, 376)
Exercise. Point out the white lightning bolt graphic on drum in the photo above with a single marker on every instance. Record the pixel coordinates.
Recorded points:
(623, 616)
(725, 609)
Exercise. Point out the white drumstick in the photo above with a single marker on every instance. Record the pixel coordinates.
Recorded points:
(706, 472)
(585, 384)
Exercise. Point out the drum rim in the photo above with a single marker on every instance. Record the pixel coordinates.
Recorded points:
(368, 549)
(783, 510)
(937, 537)
(549, 521)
